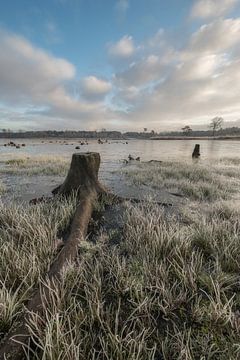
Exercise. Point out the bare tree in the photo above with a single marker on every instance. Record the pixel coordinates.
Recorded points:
(187, 130)
(145, 129)
(216, 124)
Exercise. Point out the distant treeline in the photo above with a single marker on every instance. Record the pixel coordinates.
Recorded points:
(233, 131)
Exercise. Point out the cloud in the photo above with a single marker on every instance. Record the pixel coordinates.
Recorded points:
(31, 76)
(148, 69)
(190, 85)
(123, 49)
(150, 61)
(154, 84)
(141, 72)
(203, 66)
(94, 88)
(28, 72)
(211, 8)
(217, 36)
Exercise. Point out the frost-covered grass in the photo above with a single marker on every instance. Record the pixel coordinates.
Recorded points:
(29, 236)
(2, 188)
(196, 180)
(170, 290)
(35, 165)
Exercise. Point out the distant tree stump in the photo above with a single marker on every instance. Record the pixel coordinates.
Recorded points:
(196, 152)
(82, 176)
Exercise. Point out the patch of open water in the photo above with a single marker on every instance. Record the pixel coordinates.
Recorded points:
(112, 155)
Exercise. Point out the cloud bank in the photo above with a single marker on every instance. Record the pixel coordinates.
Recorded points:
(153, 84)
(212, 8)
(32, 78)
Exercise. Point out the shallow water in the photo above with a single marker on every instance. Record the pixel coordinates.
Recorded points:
(114, 151)
(112, 155)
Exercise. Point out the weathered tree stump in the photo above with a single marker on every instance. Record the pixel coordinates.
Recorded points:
(82, 176)
(83, 179)
(196, 152)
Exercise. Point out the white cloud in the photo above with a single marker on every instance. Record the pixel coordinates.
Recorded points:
(154, 84)
(190, 85)
(95, 88)
(123, 49)
(139, 73)
(31, 76)
(217, 36)
(26, 71)
(203, 66)
(149, 63)
(157, 40)
(212, 8)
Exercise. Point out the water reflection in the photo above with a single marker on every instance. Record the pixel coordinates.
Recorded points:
(114, 152)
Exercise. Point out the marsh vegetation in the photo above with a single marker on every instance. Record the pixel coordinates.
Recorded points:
(35, 165)
(201, 181)
(167, 287)
(29, 238)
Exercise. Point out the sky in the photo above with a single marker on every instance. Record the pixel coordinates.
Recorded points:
(119, 64)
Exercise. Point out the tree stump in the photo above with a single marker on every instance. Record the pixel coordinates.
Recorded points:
(196, 152)
(82, 176)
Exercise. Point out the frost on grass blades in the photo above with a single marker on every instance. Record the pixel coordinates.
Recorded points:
(29, 237)
(196, 181)
(168, 289)
(2, 188)
(34, 165)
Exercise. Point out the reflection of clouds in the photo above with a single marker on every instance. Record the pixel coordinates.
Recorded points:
(213, 149)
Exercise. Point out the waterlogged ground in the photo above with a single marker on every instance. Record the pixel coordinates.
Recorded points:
(34, 170)
(29, 176)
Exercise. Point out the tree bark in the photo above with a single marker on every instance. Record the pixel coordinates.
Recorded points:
(82, 175)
